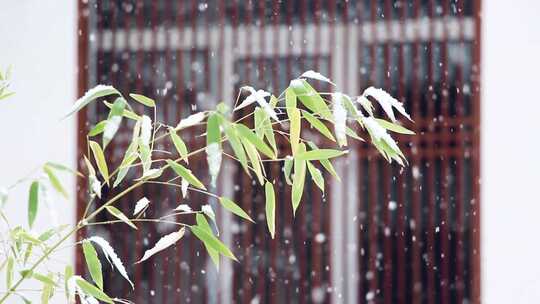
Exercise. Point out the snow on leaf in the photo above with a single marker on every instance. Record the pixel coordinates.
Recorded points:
(366, 104)
(111, 256)
(146, 130)
(316, 75)
(213, 155)
(140, 205)
(90, 95)
(207, 209)
(183, 208)
(191, 120)
(340, 117)
(259, 97)
(163, 243)
(379, 133)
(387, 102)
(184, 184)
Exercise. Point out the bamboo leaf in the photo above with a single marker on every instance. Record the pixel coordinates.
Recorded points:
(48, 289)
(33, 200)
(92, 94)
(98, 128)
(55, 182)
(113, 120)
(319, 154)
(93, 291)
(93, 263)
(254, 158)
(213, 147)
(126, 113)
(270, 208)
(316, 176)
(111, 256)
(99, 157)
(299, 178)
(287, 169)
(213, 242)
(256, 141)
(290, 100)
(310, 98)
(9, 272)
(325, 162)
(68, 273)
(234, 208)
(121, 216)
(317, 124)
(140, 205)
(295, 125)
(149, 102)
(129, 157)
(236, 145)
(203, 223)
(186, 174)
(179, 145)
(61, 167)
(163, 243)
(394, 127)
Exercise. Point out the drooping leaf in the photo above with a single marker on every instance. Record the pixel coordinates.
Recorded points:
(387, 102)
(48, 288)
(93, 291)
(256, 141)
(186, 174)
(191, 120)
(126, 113)
(61, 167)
(92, 94)
(287, 169)
(208, 211)
(317, 76)
(111, 256)
(33, 201)
(295, 125)
(394, 127)
(339, 113)
(254, 158)
(179, 145)
(93, 182)
(236, 145)
(43, 278)
(99, 157)
(234, 208)
(299, 178)
(325, 162)
(319, 154)
(113, 120)
(270, 208)
(212, 241)
(68, 273)
(203, 223)
(213, 147)
(319, 125)
(55, 182)
(316, 175)
(119, 215)
(9, 272)
(163, 243)
(93, 263)
(129, 157)
(149, 102)
(290, 100)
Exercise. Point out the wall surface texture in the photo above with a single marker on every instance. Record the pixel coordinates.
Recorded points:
(510, 163)
(39, 40)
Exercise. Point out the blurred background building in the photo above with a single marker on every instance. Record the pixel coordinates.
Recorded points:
(382, 235)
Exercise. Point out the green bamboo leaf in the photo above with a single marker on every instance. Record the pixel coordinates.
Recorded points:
(126, 113)
(129, 157)
(93, 291)
(121, 216)
(256, 141)
(259, 122)
(61, 167)
(149, 102)
(236, 145)
(92, 94)
(33, 200)
(186, 174)
(254, 158)
(319, 154)
(93, 263)
(317, 124)
(68, 273)
(287, 169)
(299, 178)
(99, 157)
(310, 98)
(273, 101)
(316, 176)
(213, 242)
(47, 291)
(9, 272)
(295, 125)
(28, 252)
(179, 144)
(263, 128)
(350, 132)
(213, 133)
(234, 208)
(98, 128)
(43, 278)
(113, 120)
(55, 182)
(203, 223)
(325, 162)
(270, 208)
(394, 127)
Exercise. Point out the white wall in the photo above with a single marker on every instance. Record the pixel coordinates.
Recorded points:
(38, 37)
(510, 151)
